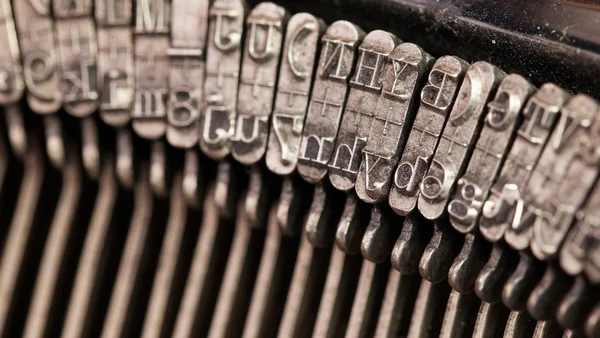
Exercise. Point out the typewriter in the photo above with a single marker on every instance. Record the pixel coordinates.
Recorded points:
(234, 168)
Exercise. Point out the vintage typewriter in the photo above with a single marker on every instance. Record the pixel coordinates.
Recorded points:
(397, 168)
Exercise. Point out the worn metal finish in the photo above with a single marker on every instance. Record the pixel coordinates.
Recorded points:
(90, 267)
(328, 98)
(429, 310)
(366, 86)
(290, 207)
(125, 296)
(592, 324)
(77, 51)
(14, 252)
(458, 138)
(223, 55)
(468, 264)
(351, 228)
(151, 38)
(491, 320)
(115, 60)
(392, 120)
(576, 304)
(564, 175)
(338, 291)
(206, 271)
(494, 274)
(547, 294)
(12, 84)
(189, 26)
(518, 165)
(439, 254)
(367, 299)
(410, 245)
(17, 135)
(437, 98)
(294, 84)
(238, 280)
(581, 250)
(398, 302)
(272, 280)
(317, 228)
(501, 122)
(166, 279)
(37, 43)
(521, 282)
(540, 114)
(265, 29)
(305, 290)
(460, 315)
(40, 319)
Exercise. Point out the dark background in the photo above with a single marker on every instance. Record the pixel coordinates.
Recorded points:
(544, 40)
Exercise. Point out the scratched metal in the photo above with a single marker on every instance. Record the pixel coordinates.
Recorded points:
(329, 93)
(11, 72)
(494, 142)
(393, 117)
(544, 177)
(186, 72)
(77, 55)
(539, 116)
(151, 37)
(365, 89)
(265, 28)
(436, 99)
(572, 158)
(293, 87)
(115, 60)
(35, 29)
(223, 55)
(458, 138)
(581, 251)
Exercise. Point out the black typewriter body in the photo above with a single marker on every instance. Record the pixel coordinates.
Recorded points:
(239, 168)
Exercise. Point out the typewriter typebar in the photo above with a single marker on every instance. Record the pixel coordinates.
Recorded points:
(239, 168)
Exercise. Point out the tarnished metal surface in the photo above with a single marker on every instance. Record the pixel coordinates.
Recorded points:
(259, 172)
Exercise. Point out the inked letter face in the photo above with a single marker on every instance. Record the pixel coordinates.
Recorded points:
(491, 148)
(498, 212)
(365, 89)
(11, 73)
(265, 26)
(436, 98)
(388, 133)
(567, 157)
(327, 100)
(153, 23)
(460, 133)
(186, 72)
(37, 45)
(293, 87)
(223, 57)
